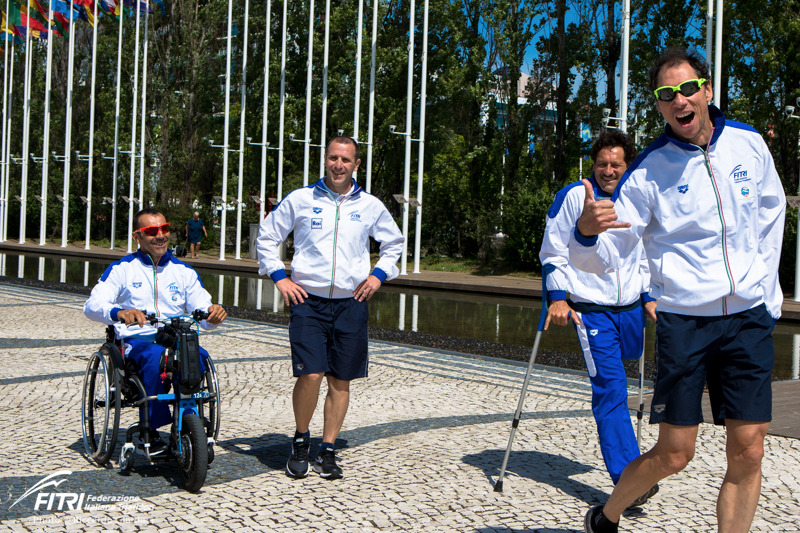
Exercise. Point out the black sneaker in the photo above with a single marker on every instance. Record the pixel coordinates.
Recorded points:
(297, 465)
(326, 466)
(592, 522)
(638, 502)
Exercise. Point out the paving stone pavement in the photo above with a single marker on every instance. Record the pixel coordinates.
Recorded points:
(421, 446)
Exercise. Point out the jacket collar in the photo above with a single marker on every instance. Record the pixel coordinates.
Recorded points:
(147, 260)
(598, 192)
(718, 121)
(355, 191)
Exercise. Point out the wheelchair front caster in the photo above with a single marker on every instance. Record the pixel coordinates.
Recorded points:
(126, 458)
(210, 450)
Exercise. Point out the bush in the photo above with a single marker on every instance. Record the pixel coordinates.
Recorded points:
(523, 223)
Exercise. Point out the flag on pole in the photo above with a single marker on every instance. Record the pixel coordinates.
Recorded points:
(85, 10)
(143, 5)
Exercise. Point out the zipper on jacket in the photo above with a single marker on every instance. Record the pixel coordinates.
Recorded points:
(155, 287)
(619, 288)
(335, 237)
(725, 257)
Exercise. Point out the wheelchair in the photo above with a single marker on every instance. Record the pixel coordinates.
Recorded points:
(111, 383)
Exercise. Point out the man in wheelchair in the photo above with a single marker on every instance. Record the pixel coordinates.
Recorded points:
(151, 280)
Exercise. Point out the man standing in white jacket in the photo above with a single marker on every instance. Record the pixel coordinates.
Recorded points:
(708, 205)
(332, 221)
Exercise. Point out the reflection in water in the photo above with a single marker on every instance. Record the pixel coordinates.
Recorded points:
(414, 311)
(401, 325)
(491, 318)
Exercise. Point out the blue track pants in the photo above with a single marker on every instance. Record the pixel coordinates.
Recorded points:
(606, 338)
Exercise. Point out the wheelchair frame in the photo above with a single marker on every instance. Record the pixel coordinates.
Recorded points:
(111, 383)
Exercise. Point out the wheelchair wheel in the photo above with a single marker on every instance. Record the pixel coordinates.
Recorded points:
(194, 453)
(100, 407)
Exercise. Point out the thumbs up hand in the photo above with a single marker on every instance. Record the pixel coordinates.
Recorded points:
(597, 215)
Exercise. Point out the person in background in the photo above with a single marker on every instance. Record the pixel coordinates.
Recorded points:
(195, 229)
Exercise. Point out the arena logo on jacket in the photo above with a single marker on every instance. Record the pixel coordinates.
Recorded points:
(683, 188)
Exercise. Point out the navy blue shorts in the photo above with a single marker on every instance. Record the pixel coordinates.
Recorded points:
(329, 336)
(732, 354)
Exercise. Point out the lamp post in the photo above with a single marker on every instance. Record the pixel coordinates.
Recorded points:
(405, 200)
(621, 122)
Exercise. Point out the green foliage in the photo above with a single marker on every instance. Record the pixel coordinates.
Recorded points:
(480, 176)
(524, 216)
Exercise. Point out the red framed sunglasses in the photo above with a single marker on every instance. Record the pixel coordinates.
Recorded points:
(152, 231)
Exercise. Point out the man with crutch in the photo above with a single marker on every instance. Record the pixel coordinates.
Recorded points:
(606, 309)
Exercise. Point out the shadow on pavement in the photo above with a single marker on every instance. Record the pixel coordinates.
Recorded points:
(547, 468)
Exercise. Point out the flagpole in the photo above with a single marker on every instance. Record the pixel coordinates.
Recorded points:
(46, 134)
(116, 128)
(26, 121)
(242, 134)
(3, 160)
(357, 97)
(407, 171)
(262, 190)
(142, 141)
(226, 129)
(325, 54)
(624, 74)
(68, 127)
(718, 56)
(420, 162)
(91, 132)
(282, 114)
(371, 113)
(7, 145)
(309, 64)
(131, 177)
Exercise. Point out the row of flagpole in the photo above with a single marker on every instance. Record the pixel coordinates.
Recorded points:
(67, 157)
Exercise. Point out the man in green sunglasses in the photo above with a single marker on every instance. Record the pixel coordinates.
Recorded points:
(707, 203)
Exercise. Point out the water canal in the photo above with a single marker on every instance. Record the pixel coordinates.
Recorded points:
(497, 319)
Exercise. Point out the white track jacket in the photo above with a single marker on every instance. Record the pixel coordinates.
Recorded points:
(618, 288)
(331, 240)
(711, 221)
(170, 289)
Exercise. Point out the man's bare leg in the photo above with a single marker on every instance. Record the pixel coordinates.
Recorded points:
(672, 452)
(304, 399)
(741, 488)
(336, 404)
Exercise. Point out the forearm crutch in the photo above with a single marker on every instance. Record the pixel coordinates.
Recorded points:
(498, 487)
